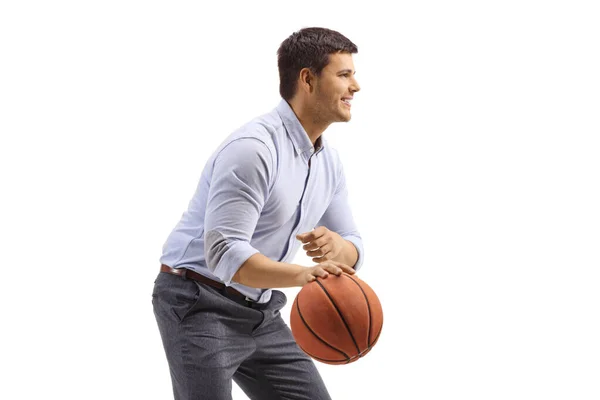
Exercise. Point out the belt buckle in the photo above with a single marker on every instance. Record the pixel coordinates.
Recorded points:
(251, 302)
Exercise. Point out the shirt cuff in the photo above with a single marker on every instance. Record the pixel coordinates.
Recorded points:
(232, 260)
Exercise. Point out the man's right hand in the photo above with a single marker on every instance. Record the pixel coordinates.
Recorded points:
(322, 270)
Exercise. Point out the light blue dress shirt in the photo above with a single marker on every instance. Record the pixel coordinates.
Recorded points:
(256, 192)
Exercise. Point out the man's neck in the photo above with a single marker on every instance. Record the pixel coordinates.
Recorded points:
(309, 121)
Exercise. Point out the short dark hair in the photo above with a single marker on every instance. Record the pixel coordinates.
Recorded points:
(308, 48)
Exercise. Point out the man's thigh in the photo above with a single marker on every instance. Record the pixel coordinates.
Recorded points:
(279, 369)
(205, 336)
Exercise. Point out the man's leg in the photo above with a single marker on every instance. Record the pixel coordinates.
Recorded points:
(206, 336)
(279, 369)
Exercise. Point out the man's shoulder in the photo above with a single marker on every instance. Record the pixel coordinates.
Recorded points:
(262, 128)
(266, 125)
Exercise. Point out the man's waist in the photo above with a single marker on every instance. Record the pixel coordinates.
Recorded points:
(189, 273)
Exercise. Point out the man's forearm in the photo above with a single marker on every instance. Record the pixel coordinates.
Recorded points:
(348, 255)
(261, 272)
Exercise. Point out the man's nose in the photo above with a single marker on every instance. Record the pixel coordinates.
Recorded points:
(355, 87)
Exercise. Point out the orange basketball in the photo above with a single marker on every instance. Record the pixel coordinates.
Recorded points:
(336, 320)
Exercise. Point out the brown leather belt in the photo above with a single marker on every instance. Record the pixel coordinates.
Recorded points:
(188, 273)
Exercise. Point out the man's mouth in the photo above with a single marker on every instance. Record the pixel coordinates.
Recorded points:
(346, 101)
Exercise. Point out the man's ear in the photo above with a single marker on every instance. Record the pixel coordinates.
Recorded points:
(307, 80)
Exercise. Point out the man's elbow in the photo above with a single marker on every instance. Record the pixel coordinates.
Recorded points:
(215, 246)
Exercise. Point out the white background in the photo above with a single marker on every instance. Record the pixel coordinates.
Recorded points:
(472, 160)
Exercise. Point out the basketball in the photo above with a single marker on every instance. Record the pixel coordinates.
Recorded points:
(336, 320)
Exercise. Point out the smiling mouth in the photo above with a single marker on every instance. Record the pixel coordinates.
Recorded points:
(347, 102)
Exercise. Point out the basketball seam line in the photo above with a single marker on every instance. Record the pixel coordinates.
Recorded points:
(314, 333)
(376, 339)
(368, 308)
(341, 316)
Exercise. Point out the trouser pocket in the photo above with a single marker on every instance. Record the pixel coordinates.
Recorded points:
(175, 296)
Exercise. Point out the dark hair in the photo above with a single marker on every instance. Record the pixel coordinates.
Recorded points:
(308, 48)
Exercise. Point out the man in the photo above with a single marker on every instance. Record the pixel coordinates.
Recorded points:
(260, 195)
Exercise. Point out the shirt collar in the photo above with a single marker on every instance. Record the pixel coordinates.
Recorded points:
(295, 130)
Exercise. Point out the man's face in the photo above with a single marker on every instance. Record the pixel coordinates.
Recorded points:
(334, 89)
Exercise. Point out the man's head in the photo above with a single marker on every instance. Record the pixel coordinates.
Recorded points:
(316, 68)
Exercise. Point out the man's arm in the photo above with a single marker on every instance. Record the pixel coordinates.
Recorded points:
(240, 182)
(349, 254)
(336, 236)
(260, 271)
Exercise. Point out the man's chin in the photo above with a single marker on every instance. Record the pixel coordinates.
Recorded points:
(344, 116)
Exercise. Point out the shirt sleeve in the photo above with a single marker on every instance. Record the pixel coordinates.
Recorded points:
(338, 218)
(239, 187)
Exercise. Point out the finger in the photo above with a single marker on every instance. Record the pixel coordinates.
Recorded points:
(315, 234)
(310, 246)
(346, 268)
(321, 241)
(333, 269)
(320, 272)
(319, 231)
(324, 256)
(302, 236)
(326, 248)
(306, 236)
(313, 246)
(315, 253)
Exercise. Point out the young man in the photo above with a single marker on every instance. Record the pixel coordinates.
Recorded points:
(259, 197)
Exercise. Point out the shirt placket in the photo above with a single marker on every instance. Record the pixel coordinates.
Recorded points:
(303, 202)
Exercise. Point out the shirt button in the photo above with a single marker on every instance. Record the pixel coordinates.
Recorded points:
(312, 151)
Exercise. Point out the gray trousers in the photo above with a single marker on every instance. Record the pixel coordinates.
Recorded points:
(212, 337)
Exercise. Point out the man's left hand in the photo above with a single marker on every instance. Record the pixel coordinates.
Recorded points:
(321, 244)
